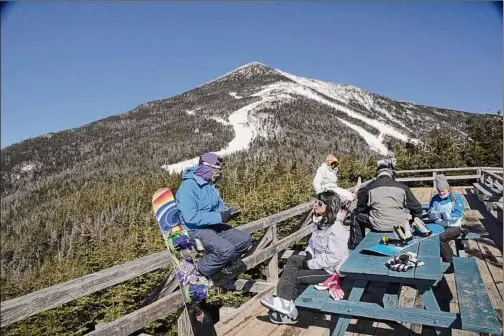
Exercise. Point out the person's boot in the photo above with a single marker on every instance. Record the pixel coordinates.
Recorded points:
(279, 318)
(229, 273)
(281, 305)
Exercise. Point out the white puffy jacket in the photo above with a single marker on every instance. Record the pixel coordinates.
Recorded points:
(326, 178)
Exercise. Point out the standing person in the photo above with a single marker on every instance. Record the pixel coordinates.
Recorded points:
(204, 215)
(381, 204)
(446, 208)
(327, 250)
(326, 178)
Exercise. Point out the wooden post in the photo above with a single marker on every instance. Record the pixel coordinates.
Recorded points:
(272, 269)
(184, 324)
(434, 181)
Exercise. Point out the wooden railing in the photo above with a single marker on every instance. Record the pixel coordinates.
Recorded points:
(267, 248)
(478, 173)
(168, 298)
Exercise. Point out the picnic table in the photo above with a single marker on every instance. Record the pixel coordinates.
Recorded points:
(361, 268)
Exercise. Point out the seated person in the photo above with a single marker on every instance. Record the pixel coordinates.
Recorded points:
(326, 178)
(446, 208)
(327, 250)
(381, 204)
(203, 214)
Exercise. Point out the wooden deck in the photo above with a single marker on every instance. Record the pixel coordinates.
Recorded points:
(251, 318)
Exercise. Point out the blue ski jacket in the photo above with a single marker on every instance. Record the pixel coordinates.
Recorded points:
(452, 206)
(198, 201)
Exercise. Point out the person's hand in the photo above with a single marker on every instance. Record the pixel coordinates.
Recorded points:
(234, 212)
(445, 216)
(434, 215)
(308, 256)
(226, 216)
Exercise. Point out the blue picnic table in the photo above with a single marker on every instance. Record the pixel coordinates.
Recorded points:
(361, 268)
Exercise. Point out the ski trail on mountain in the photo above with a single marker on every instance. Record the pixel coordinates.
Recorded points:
(374, 142)
(245, 129)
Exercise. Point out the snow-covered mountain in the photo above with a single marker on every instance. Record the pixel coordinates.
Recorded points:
(372, 117)
(253, 108)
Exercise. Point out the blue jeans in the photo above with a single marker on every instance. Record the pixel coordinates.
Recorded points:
(223, 245)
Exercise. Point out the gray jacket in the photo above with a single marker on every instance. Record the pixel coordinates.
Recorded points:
(385, 201)
(329, 248)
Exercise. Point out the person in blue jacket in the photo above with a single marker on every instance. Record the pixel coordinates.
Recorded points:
(204, 215)
(446, 208)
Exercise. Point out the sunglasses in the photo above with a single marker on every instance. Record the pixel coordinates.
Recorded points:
(319, 203)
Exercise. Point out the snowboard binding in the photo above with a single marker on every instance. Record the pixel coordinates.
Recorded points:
(421, 228)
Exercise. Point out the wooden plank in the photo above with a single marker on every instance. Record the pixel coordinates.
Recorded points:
(428, 252)
(430, 178)
(157, 310)
(234, 322)
(272, 267)
(346, 313)
(266, 222)
(476, 311)
(436, 170)
(490, 261)
(402, 314)
(406, 299)
(493, 175)
(184, 326)
(254, 260)
(52, 297)
(457, 332)
(360, 263)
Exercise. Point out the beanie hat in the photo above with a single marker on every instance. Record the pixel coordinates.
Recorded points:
(441, 182)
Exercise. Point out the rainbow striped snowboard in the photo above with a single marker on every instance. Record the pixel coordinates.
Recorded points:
(177, 240)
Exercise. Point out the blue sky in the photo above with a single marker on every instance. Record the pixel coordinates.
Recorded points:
(67, 64)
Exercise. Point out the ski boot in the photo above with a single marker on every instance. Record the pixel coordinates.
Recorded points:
(229, 273)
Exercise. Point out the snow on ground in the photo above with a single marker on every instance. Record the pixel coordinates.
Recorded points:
(234, 94)
(246, 128)
(293, 88)
(343, 93)
(27, 167)
(375, 143)
(191, 112)
(220, 120)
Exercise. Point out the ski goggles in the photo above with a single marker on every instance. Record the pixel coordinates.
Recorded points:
(218, 165)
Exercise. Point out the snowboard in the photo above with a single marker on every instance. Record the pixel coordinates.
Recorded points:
(394, 247)
(193, 286)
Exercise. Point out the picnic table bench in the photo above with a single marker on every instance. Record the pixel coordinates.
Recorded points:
(362, 268)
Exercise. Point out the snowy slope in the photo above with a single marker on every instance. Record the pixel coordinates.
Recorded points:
(244, 122)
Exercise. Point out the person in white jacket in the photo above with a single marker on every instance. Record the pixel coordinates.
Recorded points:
(326, 178)
(327, 250)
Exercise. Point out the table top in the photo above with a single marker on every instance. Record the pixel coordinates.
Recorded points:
(363, 265)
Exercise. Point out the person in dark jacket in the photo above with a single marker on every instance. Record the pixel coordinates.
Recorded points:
(381, 204)
(204, 215)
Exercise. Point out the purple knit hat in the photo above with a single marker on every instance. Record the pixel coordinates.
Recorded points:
(208, 164)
